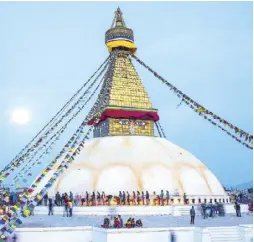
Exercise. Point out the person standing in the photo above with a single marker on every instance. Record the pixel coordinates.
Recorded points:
(45, 198)
(98, 199)
(162, 198)
(103, 197)
(70, 206)
(138, 197)
(124, 198)
(71, 196)
(134, 198)
(57, 199)
(120, 198)
(66, 198)
(167, 197)
(121, 221)
(238, 209)
(128, 198)
(50, 207)
(83, 198)
(62, 200)
(147, 198)
(93, 199)
(87, 198)
(192, 214)
(76, 199)
(143, 198)
(240, 197)
(66, 209)
(184, 199)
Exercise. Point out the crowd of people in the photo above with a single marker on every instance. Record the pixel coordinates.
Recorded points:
(241, 196)
(66, 201)
(124, 198)
(117, 222)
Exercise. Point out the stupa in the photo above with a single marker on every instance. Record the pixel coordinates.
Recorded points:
(124, 154)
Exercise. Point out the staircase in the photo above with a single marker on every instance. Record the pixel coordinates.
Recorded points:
(185, 210)
(224, 234)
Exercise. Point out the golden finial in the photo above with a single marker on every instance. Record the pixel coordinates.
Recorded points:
(119, 35)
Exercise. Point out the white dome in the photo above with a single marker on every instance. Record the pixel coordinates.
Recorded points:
(131, 163)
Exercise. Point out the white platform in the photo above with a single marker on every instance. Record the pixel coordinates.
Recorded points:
(176, 210)
(241, 233)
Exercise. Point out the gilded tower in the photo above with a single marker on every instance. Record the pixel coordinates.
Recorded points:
(127, 109)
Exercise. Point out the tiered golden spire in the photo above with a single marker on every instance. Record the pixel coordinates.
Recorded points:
(128, 109)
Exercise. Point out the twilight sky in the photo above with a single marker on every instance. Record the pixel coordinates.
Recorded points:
(47, 50)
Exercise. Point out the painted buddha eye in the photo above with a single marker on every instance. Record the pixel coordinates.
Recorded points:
(123, 122)
(139, 123)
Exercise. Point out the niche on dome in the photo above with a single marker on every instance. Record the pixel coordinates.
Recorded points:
(115, 178)
(158, 177)
(74, 179)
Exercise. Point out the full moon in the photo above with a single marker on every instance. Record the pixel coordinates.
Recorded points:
(20, 116)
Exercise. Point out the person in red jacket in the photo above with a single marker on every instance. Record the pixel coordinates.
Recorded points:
(117, 223)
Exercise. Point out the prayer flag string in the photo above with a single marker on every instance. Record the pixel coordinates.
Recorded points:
(240, 136)
(10, 221)
(34, 149)
(28, 168)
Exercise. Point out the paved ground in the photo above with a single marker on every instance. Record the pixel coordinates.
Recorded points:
(148, 221)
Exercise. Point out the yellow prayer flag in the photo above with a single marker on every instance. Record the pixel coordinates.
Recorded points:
(200, 109)
(26, 212)
(15, 207)
(13, 226)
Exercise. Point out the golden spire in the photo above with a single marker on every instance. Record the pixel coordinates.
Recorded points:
(128, 110)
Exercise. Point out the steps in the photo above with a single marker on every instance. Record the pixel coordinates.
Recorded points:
(184, 210)
(224, 234)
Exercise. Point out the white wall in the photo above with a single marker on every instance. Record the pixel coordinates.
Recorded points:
(138, 235)
(90, 234)
(56, 234)
(133, 210)
(246, 232)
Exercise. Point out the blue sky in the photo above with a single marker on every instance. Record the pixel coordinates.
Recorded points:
(204, 48)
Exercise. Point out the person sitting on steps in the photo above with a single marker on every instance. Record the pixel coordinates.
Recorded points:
(139, 223)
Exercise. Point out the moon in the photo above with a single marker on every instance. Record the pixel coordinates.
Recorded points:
(20, 116)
